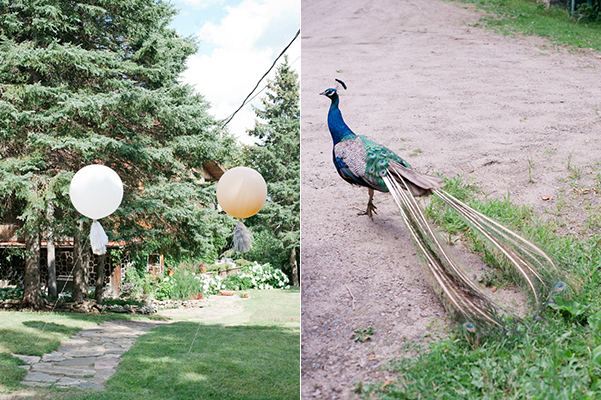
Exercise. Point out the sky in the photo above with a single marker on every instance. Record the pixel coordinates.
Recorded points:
(239, 40)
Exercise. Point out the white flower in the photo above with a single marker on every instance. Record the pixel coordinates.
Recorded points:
(166, 279)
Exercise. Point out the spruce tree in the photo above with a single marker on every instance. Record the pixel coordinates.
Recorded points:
(96, 81)
(277, 158)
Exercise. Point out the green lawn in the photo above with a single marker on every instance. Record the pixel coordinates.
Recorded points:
(530, 17)
(251, 355)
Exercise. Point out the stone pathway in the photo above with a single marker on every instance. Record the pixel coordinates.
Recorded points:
(87, 359)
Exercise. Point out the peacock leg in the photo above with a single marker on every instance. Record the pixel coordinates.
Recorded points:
(371, 208)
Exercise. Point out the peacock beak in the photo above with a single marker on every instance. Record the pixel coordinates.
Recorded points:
(324, 93)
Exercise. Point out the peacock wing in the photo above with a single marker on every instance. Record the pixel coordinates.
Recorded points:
(350, 161)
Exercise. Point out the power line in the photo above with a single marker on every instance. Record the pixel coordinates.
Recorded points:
(263, 77)
(265, 86)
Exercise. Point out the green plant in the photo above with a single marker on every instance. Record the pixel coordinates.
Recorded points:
(571, 310)
(363, 334)
(11, 293)
(489, 276)
(531, 165)
(589, 11)
(238, 282)
(415, 152)
(268, 249)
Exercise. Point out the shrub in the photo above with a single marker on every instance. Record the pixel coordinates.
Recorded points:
(184, 283)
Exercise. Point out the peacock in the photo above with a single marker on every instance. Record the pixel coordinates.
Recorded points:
(363, 162)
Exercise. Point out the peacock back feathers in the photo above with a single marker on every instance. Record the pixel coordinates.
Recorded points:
(366, 160)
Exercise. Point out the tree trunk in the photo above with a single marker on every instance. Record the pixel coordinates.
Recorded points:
(32, 296)
(294, 268)
(100, 279)
(51, 255)
(80, 290)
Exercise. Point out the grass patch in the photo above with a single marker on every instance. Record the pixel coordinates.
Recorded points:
(558, 357)
(251, 355)
(531, 18)
(35, 334)
(225, 362)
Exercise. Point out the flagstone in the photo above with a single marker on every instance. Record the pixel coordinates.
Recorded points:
(78, 361)
(99, 348)
(41, 377)
(54, 357)
(66, 381)
(27, 359)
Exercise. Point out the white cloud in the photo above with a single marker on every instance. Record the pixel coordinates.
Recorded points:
(244, 43)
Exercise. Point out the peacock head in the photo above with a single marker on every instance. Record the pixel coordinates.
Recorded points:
(330, 93)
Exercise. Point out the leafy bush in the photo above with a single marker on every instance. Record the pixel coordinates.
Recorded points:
(259, 277)
(185, 283)
(238, 282)
(589, 11)
(138, 283)
(11, 293)
(165, 290)
(268, 249)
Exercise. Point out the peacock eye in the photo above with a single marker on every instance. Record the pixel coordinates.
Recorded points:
(469, 327)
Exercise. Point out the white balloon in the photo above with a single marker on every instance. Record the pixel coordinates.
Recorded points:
(96, 191)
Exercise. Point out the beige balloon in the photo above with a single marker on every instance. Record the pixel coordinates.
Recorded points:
(241, 192)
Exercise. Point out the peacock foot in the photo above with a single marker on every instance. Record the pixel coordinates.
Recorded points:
(371, 209)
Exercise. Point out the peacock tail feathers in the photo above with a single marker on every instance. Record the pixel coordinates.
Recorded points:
(461, 297)
(534, 266)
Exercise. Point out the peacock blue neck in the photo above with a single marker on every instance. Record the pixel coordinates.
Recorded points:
(338, 128)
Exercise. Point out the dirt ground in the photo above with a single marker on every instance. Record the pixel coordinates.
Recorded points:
(511, 113)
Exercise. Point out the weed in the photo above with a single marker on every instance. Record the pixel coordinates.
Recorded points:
(415, 152)
(549, 152)
(569, 164)
(531, 165)
(363, 334)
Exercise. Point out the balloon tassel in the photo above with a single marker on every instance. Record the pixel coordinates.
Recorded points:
(98, 239)
(242, 238)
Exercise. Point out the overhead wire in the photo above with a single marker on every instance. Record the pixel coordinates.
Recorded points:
(259, 82)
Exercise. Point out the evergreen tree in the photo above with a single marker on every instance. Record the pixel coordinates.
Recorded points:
(95, 81)
(277, 158)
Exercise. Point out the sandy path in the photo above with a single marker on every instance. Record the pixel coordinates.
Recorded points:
(475, 103)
